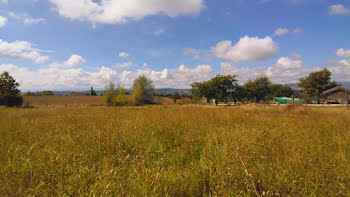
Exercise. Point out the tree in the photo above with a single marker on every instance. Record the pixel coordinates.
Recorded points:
(92, 92)
(120, 99)
(9, 92)
(316, 83)
(142, 90)
(282, 90)
(8, 85)
(221, 88)
(109, 95)
(258, 89)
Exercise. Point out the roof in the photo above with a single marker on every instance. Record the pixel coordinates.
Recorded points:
(334, 90)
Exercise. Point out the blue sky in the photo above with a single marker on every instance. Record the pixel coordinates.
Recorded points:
(72, 45)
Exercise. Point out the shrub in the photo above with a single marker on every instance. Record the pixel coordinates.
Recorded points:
(109, 95)
(120, 98)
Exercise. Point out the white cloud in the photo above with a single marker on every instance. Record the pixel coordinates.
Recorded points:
(281, 31)
(57, 78)
(119, 11)
(21, 50)
(123, 55)
(74, 60)
(123, 65)
(285, 70)
(338, 9)
(33, 21)
(5, 1)
(244, 73)
(343, 53)
(53, 78)
(3, 21)
(14, 15)
(296, 56)
(341, 68)
(247, 48)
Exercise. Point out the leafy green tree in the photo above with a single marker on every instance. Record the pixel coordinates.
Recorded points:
(92, 92)
(9, 92)
(282, 90)
(142, 90)
(120, 98)
(8, 85)
(316, 83)
(221, 88)
(109, 95)
(259, 89)
(199, 90)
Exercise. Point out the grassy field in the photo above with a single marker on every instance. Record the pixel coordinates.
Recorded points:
(86, 101)
(59, 101)
(175, 151)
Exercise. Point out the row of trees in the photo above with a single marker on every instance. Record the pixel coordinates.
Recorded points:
(226, 88)
(142, 93)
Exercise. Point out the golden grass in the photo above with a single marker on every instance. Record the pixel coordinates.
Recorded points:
(59, 101)
(175, 151)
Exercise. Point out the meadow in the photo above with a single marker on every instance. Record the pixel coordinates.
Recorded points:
(175, 151)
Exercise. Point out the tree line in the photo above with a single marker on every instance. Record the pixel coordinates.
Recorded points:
(225, 88)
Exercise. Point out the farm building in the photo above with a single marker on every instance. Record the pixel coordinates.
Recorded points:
(337, 94)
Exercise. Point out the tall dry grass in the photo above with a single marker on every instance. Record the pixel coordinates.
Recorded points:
(175, 151)
(59, 101)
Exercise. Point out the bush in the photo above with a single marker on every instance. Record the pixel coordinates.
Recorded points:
(142, 90)
(110, 95)
(120, 98)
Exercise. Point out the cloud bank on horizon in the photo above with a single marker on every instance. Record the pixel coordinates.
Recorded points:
(72, 45)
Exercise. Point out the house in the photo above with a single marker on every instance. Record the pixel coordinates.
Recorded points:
(337, 94)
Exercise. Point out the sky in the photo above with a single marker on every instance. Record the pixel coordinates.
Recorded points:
(73, 45)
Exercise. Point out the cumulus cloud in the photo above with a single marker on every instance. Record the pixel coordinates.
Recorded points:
(60, 78)
(5, 1)
(247, 48)
(123, 65)
(119, 11)
(285, 70)
(74, 60)
(281, 31)
(54, 78)
(33, 21)
(123, 55)
(21, 50)
(3, 21)
(343, 53)
(338, 9)
(341, 68)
